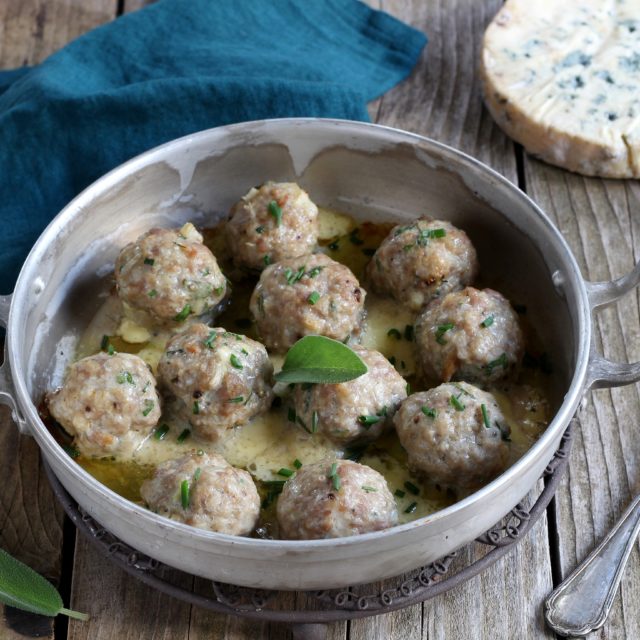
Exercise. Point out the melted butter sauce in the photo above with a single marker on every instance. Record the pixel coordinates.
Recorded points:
(270, 442)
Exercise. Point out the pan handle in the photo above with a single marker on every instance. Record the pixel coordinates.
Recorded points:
(603, 373)
(7, 390)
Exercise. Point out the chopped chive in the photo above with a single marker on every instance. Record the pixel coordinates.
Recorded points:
(183, 436)
(287, 473)
(334, 470)
(153, 293)
(218, 291)
(392, 360)
(314, 422)
(125, 376)
(408, 388)
(148, 407)
(454, 401)
(236, 400)
(184, 494)
(367, 488)
(235, 361)
(354, 453)
(244, 352)
(408, 247)
(336, 482)
(182, 316)
(197, 474)
(161, 432)
(441, 330)
(487, 322)
(71, 450)
(437, 233)
(275, 211)
(411, 508)
(297, 464)
(104, 343)
(430, 412)
(266, 259)
(196, 408)
(211, 339)
(259, 229)
(498, 362)
(485, 416)
(394, 333)
(409, 333)
(411, 488)
(111, 350)
(367, 421)
(399, 493)
(313, 297)
(149, 261)
(312, 273)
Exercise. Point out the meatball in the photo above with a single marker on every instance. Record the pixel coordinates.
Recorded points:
(309, 295)
(335, 499)
(204, 491)
(358, 410)
(469, 335)
(220, 379)
(421, 261)
(455, 434)
(271, 223)
(108, 403)
(169, 274)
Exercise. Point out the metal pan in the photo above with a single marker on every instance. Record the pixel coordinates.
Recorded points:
(370, 172)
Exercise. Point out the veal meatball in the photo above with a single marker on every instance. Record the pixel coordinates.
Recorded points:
(220, 379)
(455, 434)
(204, 491)
(471, 335)
(358, 410)
(335, 499)
(270, 223)
(309, 295)
(421, 261)
(170, 275)
(108, 403)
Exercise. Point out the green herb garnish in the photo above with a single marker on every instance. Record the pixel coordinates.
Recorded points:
(394, 333)
(183, 436)
(161, 432)
(367, 421)
(441, 330)
(485, 416)
(430, 412)
(148, 407)
(153, 293)
(184, 494)
(196, 408)
(334, 477)
(236, 400)
(367, 488)
(196, 475)
(182, 316)
(259, 229)
(275, 211)
(313, 297)
(487, 322)
(266, 259)
(72, 452)
(125, 376)
(320, 359)
(498, 362)
(287, 473)
(454, 401)
(411, 508)
(399, 493)
(297, 464)
(235, 361)
(411, 488)
(149, 261)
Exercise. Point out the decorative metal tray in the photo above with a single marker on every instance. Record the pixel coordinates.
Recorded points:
(338, 604)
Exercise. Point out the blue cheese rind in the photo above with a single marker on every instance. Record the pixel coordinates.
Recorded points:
(563, 79)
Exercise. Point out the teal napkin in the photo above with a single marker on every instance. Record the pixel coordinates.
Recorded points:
(176, 67)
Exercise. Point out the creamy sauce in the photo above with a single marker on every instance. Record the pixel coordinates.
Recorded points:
(270, 443)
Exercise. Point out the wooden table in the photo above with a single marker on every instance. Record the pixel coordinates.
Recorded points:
(601, 221)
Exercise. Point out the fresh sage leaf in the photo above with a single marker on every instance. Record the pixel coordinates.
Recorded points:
(21, 587)
(318, 359)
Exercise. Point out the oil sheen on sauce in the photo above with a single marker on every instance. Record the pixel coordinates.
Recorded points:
(270, 442)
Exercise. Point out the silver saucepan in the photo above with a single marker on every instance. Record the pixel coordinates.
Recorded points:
(370, 172)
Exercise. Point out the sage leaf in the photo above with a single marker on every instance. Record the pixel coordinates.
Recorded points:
(318, 359)
(21, 587)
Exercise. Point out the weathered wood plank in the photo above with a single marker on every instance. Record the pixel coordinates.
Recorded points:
(30, 518)
(599, 219)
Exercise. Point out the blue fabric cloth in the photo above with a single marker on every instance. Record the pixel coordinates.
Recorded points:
(176, 67)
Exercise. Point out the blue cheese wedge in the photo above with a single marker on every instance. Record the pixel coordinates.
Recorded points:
(563, 79)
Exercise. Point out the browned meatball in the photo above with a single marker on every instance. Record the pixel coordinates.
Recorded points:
(333, 499)
(204, 491)
(309, 295)
(108, 403)
(469, 335)
(421, 261)
(220, 379)
(455, 434)
(270, 223)
(169, 274)
(358, 410)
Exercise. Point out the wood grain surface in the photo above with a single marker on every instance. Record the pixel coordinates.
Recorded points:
(601, 222)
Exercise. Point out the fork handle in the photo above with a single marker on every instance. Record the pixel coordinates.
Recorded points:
(582, 602)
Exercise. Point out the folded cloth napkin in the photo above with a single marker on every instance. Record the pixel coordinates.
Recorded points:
(170, 69)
